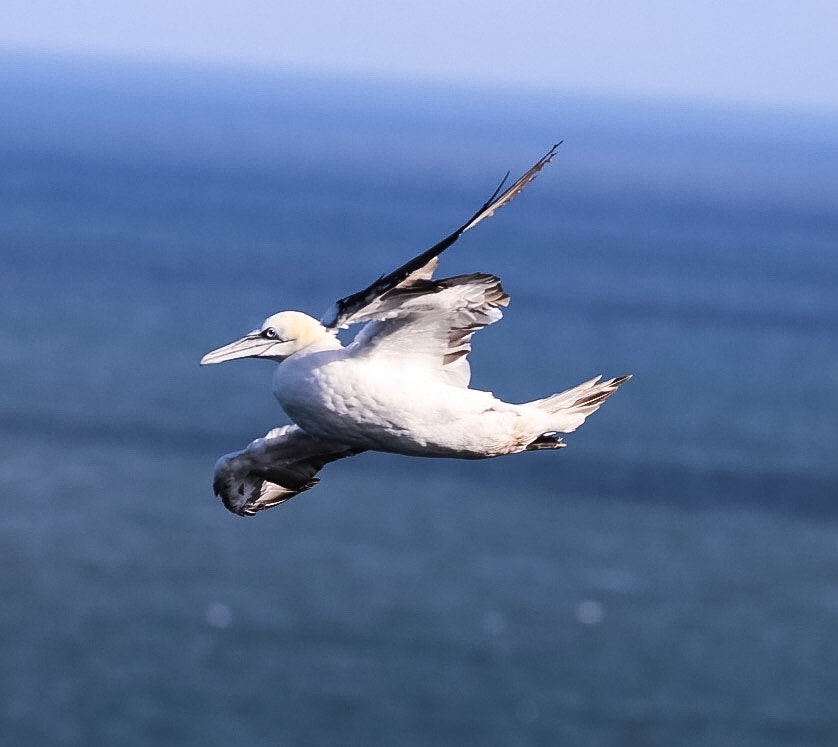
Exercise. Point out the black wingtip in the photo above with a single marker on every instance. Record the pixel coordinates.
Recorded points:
(499, 189)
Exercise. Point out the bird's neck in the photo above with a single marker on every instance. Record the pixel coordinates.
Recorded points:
(317, 343)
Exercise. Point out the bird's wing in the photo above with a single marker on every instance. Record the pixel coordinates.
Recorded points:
(273, 469)
(366, 304)
(430, 324)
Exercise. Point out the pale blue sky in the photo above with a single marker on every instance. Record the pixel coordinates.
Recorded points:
(753, 51)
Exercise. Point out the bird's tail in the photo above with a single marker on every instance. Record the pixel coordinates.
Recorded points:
(567, 410)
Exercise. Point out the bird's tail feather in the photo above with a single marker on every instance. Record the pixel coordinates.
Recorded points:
(569, 409)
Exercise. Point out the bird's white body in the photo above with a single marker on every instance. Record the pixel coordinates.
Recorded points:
(379, 404)
(401, 386)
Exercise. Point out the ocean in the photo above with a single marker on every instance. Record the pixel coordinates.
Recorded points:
(670, 578)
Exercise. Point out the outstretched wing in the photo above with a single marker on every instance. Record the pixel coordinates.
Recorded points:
(364, 305)
(430, 323)
(273, 469)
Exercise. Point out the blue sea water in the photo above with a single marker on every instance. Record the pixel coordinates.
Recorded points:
(669, 578)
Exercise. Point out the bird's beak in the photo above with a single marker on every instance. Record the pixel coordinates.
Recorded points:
(250, 346)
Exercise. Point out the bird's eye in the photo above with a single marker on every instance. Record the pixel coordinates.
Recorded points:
(269, 333)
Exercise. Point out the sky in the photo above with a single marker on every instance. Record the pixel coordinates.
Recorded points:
(775, 52)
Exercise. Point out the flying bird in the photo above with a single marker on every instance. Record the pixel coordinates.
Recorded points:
(402, 384)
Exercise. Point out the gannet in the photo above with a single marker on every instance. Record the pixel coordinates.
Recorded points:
(402, 384)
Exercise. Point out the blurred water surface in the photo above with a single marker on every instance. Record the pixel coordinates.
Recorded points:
(670, 578)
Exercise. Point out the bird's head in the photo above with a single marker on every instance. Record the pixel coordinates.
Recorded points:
(280, 335)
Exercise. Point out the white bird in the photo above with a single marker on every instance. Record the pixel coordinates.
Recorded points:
(400, 386)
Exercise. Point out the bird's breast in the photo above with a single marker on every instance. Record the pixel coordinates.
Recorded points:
(329, 396)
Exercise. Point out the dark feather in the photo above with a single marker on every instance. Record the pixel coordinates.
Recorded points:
(273, 469)
(343, 310)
